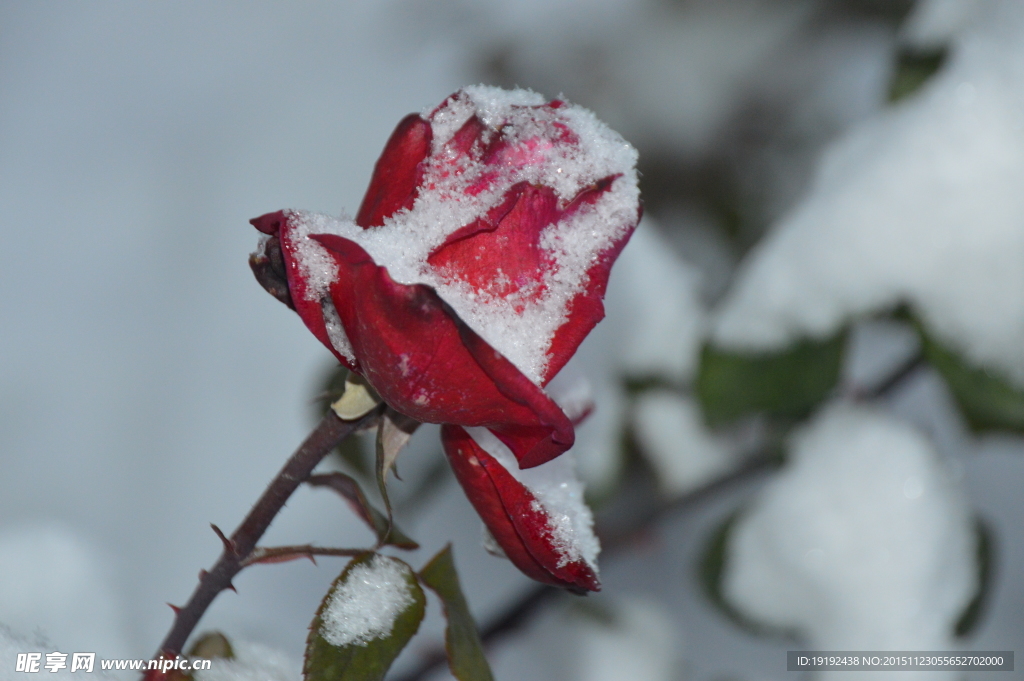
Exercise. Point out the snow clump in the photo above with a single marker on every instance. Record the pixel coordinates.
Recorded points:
(365, 606)
(861, 543)
(921, 204)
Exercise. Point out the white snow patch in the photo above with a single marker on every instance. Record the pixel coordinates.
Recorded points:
(55, 581)
(863, 542)
(598, 449)
(252, 662)
(654, 308)
(934, 23)
(517, 325)
(336, 330)
(366, 605)
(641, 641)
(923, 204)
(559, 496)
(672, 435)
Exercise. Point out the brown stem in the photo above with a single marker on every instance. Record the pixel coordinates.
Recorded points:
(238, 548)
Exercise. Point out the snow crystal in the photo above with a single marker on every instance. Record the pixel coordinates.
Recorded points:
(335, 330)
(672, 435)
(862, 542)
(923, 204)
(521, 325)
(365, 606)
(559, 496)
(316, 265)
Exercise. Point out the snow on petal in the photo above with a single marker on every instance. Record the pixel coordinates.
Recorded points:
(560, 495)
(557, 146)
(862, 542)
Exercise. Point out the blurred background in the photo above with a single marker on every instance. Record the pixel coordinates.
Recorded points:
(809, 385)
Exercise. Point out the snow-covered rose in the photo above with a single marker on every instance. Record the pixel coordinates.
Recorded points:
(474, 268)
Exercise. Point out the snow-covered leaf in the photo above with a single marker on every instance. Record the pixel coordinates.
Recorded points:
(987, 401)
(462, 642)
(789, 383)
(367, 617)
(919, 206)
(710, 572)
(863, 540)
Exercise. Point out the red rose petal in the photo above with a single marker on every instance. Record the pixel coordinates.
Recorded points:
(398, 172)
(586, 309)
(311, 311)
(504, 256)
(511, 513)
(426, 363)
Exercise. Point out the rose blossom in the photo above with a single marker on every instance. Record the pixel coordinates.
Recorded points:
(476, 265)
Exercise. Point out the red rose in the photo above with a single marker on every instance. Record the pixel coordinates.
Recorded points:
(476, 265)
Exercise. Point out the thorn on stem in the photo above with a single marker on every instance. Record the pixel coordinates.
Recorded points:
(175, 608)
(229, 545)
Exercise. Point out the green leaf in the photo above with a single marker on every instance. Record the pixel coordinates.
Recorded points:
(369, 658)
(786, 384)
(971, 616)
(913, 69)
(461, 640)
(987, 401)
(711, 571)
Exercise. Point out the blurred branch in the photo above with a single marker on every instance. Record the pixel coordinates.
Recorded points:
(240, 548)
(899, 374)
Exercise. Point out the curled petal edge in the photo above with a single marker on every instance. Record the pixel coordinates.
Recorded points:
(513, 515)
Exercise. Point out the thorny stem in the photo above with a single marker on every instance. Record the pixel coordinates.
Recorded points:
(239, 548)
(518, 613)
